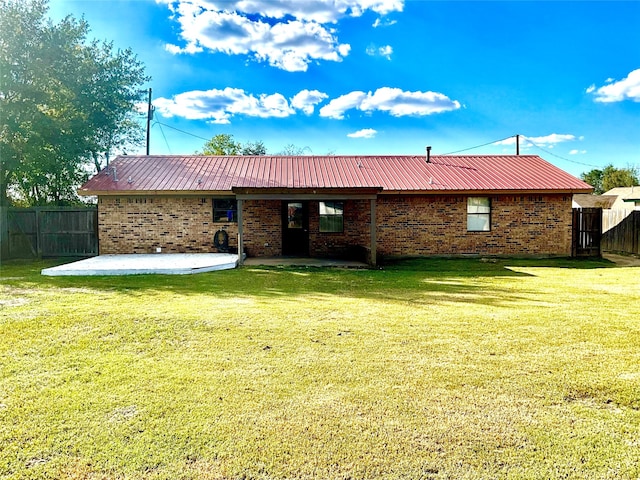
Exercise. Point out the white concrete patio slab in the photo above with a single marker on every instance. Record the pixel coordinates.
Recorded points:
(137, 264)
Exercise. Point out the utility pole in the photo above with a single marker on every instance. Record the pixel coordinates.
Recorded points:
(149, 118)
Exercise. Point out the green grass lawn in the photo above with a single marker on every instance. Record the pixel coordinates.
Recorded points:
(432, 369)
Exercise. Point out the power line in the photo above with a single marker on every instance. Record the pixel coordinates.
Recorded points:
(558, 156)
(530, 143)
(165, 138)
(182, 131)
(478, 146)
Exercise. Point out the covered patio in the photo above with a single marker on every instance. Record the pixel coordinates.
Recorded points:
(296, 238)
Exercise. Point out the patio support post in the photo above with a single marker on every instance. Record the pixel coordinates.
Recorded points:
(240, 235)
(374, 240)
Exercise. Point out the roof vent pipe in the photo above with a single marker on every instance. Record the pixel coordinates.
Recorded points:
(115, 174)
(428, 153)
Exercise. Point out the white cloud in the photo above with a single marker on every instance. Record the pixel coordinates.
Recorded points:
(306, 100)
(289, 46)
(577, 152)
(219, 106)
(364, 133)
(288, 34)
(552, 139)
(400, 103)
(335, 108)
(393, 100)
(626, 89)
(321, 11)
(548, 141)
(379, 22)
(385, 51)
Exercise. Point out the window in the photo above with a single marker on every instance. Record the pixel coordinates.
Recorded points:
(295, 215)
(478, 214)
(331, 217)
(225, 210)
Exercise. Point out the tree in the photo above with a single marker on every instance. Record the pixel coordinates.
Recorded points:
(594, 178)
(221, 144)
(293, 150)
(224, 144)
(65, 104)
(610, 177)
(623, 177)
(110, 101)
(254, 148)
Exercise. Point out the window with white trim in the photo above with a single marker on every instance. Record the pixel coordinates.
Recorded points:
(478, 214)
(331, 217)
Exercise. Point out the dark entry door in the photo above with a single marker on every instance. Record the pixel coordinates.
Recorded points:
(295, 228)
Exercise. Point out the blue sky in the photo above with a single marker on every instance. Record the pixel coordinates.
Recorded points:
(387, 76)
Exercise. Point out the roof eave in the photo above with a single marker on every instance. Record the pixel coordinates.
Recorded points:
(195, 193)
(160, 193)
(521, 191)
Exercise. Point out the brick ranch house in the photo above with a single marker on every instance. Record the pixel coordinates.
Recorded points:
(336, 206)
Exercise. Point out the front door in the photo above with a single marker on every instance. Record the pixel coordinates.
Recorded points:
(295, 228)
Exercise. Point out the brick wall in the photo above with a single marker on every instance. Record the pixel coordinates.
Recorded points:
(357, 221)
(436, 225)
(262, 227)
(175, 224)
(406, 225)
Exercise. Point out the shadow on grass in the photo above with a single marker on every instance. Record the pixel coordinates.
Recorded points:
(493, 265)
(420, 281)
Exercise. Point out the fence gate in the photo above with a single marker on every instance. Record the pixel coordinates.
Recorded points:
(623, 236)
(587, 232)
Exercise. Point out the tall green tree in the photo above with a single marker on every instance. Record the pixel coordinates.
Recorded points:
(221, 144)
(225, 144)
(65, 104)
(110, 95)
(610, 177)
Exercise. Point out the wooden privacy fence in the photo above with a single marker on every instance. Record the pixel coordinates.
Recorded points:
(624, 236)
(49, 232)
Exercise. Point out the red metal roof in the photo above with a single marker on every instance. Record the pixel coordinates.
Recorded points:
(397, 173)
